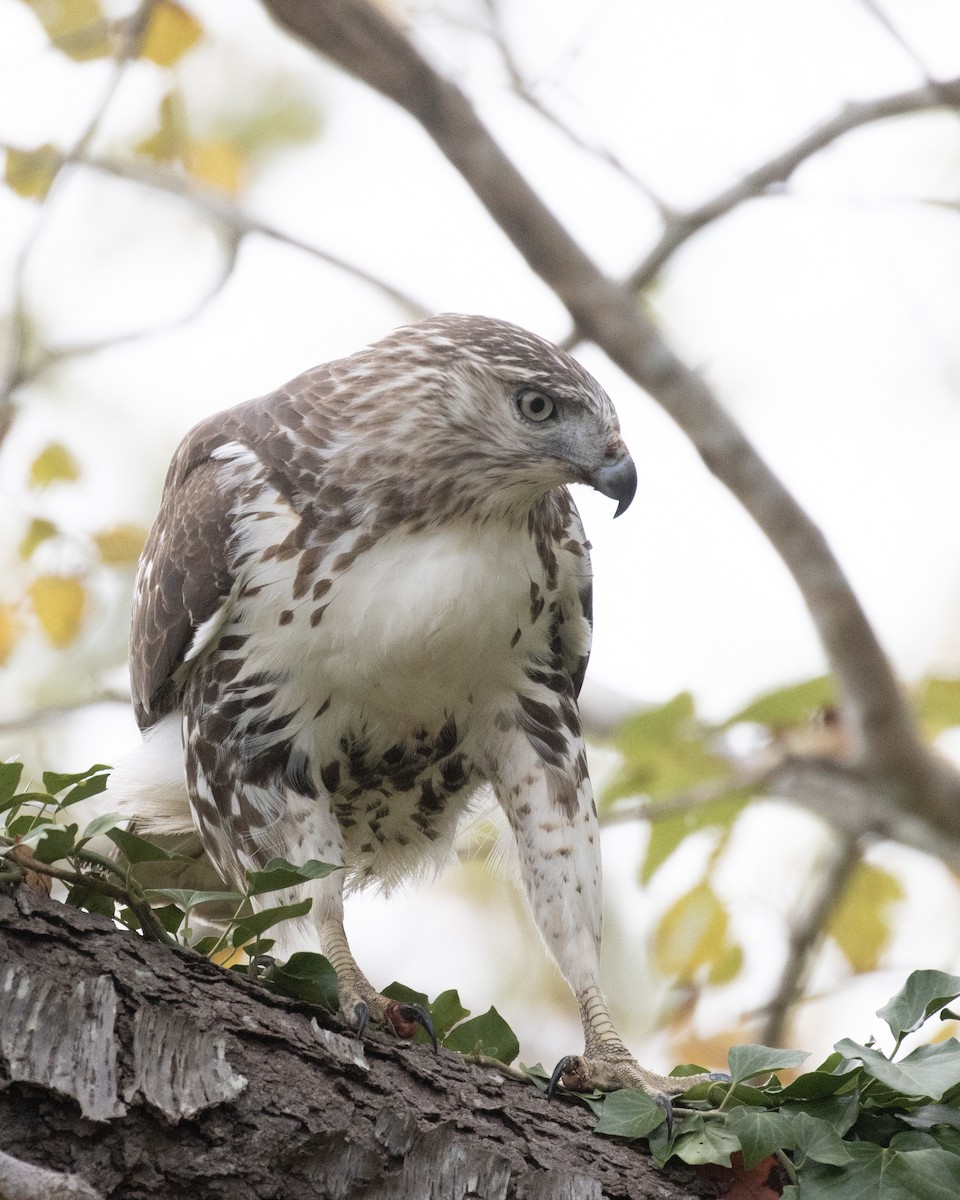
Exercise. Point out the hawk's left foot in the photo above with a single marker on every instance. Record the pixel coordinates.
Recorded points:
(609, 1070)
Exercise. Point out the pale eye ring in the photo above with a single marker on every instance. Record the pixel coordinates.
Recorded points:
(535, 406)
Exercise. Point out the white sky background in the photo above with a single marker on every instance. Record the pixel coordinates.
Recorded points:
(827, 318)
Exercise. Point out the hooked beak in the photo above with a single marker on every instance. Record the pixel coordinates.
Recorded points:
(617, 478)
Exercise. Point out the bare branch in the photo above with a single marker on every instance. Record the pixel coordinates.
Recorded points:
(680, 227)
(218, 208)
(15, 373)
(57, 354)
(364, 42)
(807, 933)
(522, 89)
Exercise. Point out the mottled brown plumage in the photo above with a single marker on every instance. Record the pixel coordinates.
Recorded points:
(367, 595)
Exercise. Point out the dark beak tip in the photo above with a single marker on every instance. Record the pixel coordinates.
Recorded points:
(618, 480)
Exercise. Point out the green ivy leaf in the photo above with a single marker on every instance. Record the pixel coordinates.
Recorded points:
(170, 917)
(760, 1132)
(747, 1061)
(923, 994)
(188, 898)
(10, 773)
(278, 873)
(58, 841)
(136, 849)
(54, 782)
(630, 1113)
(875, 1173)
(929, 1115)
(928, 1071)
(447, 1011)
(22, 798)
(306, 976)
(817, 1139)
(92, 901)
(260, 922)
(827, 1080)
(406, 995)
(99, 825)
(705, 1142)
(85, 789)
(488, 1034)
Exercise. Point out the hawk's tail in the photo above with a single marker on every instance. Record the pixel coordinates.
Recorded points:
(149, 785)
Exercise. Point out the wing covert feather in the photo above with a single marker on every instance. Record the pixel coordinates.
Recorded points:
(184, 577)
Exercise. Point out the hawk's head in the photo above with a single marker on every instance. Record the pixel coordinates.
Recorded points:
(482, 416)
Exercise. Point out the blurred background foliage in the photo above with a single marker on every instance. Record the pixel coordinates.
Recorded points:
(193, 126)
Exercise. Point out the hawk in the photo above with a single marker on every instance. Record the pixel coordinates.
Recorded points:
(365, 596)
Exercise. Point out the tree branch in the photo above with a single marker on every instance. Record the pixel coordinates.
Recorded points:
(14, 374)
(680, 227)
(150, 1071)
(807, 933)
(364, 42)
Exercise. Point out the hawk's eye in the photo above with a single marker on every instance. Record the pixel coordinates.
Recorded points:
(534, 405)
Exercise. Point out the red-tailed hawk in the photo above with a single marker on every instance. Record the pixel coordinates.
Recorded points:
(366, 595)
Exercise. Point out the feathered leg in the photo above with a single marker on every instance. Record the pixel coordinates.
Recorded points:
(550, 807)
(247, 811)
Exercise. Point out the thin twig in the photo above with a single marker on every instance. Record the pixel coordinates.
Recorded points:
(15, 373)
(523, 90)
(53, 355)
(214, 205)
(152, 929)
(808, 931)
(778, 170)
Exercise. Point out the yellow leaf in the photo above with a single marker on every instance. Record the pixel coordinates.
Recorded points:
(121, 545)
(228, 956)
(691, 933)
(171, 31)
(727, 965)
(10, 629)
(30, 173)
(860, 924)
(54, 464)
(171, 133)
(58, 601)
(38, 531)
(217, 162)
(78, 28)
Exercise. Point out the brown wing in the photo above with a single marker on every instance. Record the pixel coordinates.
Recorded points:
(185, 571)
(182, 581)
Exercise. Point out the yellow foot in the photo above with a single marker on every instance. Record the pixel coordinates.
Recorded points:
(610, 1070)
(360, 1010)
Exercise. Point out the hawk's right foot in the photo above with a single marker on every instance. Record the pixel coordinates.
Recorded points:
(403, 1019)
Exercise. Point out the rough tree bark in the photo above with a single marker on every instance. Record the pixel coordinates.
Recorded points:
(143, 1071)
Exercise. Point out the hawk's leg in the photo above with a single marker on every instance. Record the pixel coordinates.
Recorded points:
(243, 825)
(360, 1002)
(551, 811)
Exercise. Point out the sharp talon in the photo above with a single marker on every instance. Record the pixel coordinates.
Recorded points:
(413, 1012)
(563, 1065)
(362, 1014)
(666, 1103)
